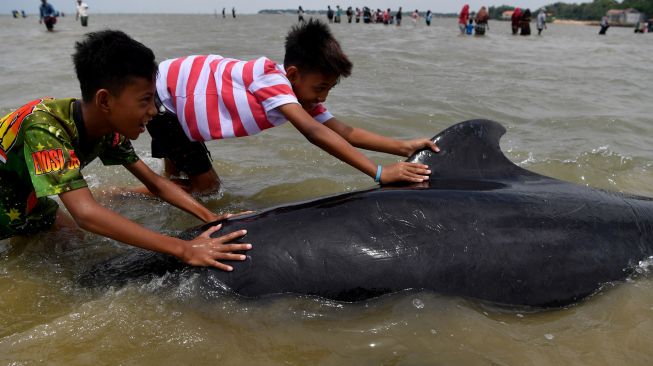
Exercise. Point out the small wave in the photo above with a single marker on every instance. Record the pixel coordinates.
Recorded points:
(601, 167)
(645, 266)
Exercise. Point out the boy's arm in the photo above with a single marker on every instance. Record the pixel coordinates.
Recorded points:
(337, 146)
(170, 192)
(201, 251)
(370, 141)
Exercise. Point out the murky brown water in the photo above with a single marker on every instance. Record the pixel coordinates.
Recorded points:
(576, 106)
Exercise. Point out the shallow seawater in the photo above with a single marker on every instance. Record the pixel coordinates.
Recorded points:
(576, 107)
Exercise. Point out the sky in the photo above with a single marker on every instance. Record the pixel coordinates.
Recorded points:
(253, 6)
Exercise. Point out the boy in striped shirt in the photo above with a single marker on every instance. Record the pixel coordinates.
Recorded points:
(210, 97)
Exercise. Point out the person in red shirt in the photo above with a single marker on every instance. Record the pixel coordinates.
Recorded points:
(462, 18)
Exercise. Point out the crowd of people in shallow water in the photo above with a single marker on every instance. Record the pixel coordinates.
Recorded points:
(368, 15)
(469, 23)
(521, 21)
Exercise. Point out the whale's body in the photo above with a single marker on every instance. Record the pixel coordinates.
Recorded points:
(482, 227)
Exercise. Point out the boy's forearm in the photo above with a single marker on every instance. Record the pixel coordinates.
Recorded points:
(342, 150)
(176, 196)
(328, 140)
(367, 140)
(114, 226)
(370, 141)
(169, 191)
(91, 216)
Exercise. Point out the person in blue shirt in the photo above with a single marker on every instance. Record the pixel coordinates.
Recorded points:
(470, 27)
(48, 15)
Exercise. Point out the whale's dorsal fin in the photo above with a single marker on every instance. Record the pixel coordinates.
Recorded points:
(470, 150)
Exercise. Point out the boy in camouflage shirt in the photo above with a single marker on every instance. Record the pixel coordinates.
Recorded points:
(45, 144)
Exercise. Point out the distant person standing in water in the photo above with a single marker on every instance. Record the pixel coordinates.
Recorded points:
(233, 12)
(48, 15)
(358, 15)
(469, 29)
(428, 17)
(330, 13)
(462, 18)
(300, 14)
(481, 20)
(604, 25)
(398, 17)
(541, 21)
(82, 13)
(350, 14)
(367, 15)
(515, 19)
(525, 23)
(414, 17)
(224, 12)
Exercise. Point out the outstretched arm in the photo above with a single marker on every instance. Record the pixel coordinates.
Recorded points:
(201, 251)
(171, 192)
(337, 146)
(370, 141)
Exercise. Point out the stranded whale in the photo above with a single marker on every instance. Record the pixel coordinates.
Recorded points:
(482, 227)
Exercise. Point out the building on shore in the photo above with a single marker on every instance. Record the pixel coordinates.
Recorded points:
(624, 17)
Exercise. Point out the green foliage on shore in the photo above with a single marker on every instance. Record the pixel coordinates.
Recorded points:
(585, 11)
(496, 11)
(645, 6)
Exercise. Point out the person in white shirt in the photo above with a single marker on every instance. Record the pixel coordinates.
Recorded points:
(541, 21)
(82, 13)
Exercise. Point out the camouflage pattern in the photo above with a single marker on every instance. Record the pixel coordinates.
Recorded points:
(42, 154)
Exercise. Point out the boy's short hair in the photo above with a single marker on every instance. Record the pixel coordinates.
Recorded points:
(109, 59)
(311, 47)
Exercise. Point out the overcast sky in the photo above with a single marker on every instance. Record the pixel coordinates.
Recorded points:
(253, 6)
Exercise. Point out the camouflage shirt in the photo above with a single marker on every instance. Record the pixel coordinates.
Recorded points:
(43, 147)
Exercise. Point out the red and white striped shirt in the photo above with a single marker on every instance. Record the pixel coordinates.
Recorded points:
(216, 97)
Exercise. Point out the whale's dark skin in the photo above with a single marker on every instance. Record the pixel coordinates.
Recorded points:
(481, 227)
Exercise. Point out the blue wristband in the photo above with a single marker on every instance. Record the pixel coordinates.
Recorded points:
(379, 169)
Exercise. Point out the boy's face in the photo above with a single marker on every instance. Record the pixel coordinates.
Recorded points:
(132, 108)
(310, 88)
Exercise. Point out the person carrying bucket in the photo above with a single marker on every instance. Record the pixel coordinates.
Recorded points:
(48, 15)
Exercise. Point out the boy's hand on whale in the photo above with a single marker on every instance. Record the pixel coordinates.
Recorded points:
(405, 172)
(411, 146)
(206, 251)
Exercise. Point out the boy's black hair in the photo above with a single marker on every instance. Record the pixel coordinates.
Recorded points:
(310, 47)
(109, 59)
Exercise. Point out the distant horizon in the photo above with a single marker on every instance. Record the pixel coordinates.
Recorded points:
(254, 6)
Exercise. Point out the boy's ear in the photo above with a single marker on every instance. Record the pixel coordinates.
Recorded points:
(103, 100)
(292, 73)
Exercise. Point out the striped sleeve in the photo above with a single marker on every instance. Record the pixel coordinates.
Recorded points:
(270, 85)
(320, 113)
